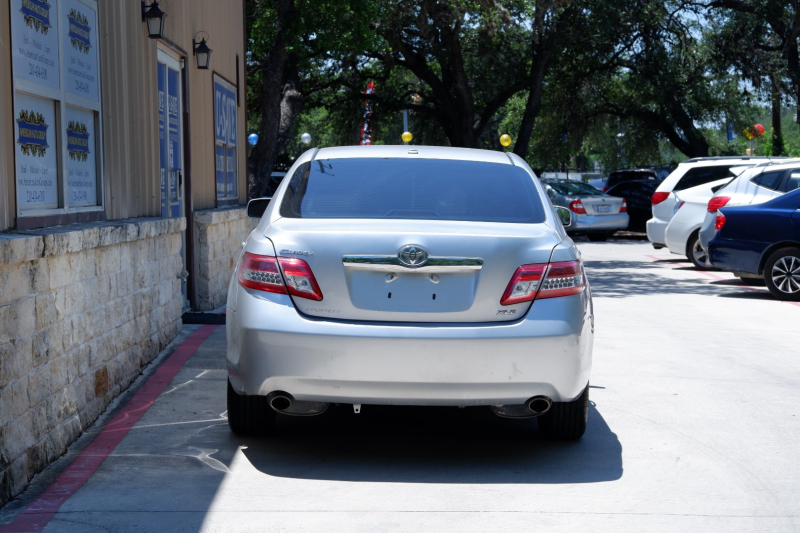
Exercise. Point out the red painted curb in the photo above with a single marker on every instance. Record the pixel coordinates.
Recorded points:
(41, 510)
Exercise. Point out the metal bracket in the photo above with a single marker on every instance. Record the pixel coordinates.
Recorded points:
(356, 408)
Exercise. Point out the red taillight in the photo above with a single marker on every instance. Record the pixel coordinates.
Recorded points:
(659, 197)
(720, 221)
(605, 189)
(536, 282)
(624, 208)
(300, 279)
(262, 273)
(577, 207)
(717, 202)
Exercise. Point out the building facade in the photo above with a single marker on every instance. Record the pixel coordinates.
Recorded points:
(122, 186)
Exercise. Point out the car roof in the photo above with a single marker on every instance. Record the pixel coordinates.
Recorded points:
(413, 152)
(713, 161)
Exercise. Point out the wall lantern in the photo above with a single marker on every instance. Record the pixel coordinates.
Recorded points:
(154, 17)
(201, 51)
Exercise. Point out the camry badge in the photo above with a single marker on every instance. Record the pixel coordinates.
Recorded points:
(412, 255)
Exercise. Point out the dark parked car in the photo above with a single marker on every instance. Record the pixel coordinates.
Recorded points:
(637, 195)
(762, 239)
(632, 174)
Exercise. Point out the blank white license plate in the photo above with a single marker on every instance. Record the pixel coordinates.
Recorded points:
(602, 208)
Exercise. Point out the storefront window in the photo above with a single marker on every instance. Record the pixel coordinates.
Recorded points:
(56, 105)
(226, 162)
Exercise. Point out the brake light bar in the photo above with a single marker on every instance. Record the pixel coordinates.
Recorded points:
(717, 202)
(577, 207)
(267, 273)
(658, 197)
(544, 280)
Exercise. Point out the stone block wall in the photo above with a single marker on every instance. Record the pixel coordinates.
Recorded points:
(219, 234)
(82, 309)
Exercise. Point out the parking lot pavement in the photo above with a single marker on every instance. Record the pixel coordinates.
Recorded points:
(694, 426)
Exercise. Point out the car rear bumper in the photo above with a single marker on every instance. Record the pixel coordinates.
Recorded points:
(598, 222)
(738, 256)
(271, 347)
(656, 229)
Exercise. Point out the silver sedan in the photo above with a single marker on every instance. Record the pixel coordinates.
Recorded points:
(594, 213)
(409, 276)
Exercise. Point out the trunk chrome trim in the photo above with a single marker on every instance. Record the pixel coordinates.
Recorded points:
(391, 263)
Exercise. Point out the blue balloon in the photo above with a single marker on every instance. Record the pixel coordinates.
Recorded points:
(252, 138)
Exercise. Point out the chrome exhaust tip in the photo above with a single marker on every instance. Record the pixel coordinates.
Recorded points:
(539, 405)
(280, 402)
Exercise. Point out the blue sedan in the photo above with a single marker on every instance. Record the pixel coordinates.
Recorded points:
(762, 239)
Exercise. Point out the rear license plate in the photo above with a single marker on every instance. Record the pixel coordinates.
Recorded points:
(602, 208)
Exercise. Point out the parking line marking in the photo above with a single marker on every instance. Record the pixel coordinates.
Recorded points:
(718, 278)
(41, 510)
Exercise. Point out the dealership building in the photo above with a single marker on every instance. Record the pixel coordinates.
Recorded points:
(122, 186)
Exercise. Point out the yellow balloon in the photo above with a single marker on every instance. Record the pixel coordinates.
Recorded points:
(505, 139)
(407, 137)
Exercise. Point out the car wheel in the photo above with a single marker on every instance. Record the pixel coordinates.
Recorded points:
(249, 416)
(696, 254)
(566, 420)
(599, 237)
(782, 274)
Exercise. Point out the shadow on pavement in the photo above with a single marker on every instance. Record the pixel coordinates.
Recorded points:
(623, 279)
(433, 445)
(750, 295)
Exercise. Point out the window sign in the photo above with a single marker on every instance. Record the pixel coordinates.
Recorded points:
(80, 53)
(162, 132)
(81, 157)
(225, 127)
(58, 125)
(35, 41)
(219, 157)
(37, 170)
(174, 144)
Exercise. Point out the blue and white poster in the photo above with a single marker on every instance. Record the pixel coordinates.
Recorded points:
(37, 170)
(231, 171)
(34, 41)
(219, 163)
(81, 158)
(162, 134)
(173, 140)
(79, 44)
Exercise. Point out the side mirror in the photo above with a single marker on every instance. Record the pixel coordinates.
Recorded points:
(257, 206)
(565, 215)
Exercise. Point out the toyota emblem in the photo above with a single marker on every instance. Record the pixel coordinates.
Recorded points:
(412, 255)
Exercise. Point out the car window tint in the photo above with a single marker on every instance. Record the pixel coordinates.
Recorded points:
(793, 182)
(700, 176)
(619, 177)
(399, 188)
(769, 180)
(568, 188)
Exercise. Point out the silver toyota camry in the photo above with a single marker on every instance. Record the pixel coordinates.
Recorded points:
(409, 275)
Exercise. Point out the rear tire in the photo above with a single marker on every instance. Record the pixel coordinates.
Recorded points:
(249, 416)
(566, 420)
(782, 274)
(695, 252)
(599, 237)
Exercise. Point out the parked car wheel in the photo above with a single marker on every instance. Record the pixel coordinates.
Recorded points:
(782, 274)
(695, 252)
(566, 420)
(599, 236)
(249, 416)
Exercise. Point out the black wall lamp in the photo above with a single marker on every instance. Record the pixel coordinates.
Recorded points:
(201, 51)
(154, 17)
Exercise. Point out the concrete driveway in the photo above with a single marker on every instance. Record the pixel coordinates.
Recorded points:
(694, 426)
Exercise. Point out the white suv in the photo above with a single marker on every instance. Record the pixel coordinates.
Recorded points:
(691, 173)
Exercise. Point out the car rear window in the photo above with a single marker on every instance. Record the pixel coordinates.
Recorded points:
(568, 188)
(702, 175)
(399, 188)
(793, 182)
(629, 175)
(769, 180)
